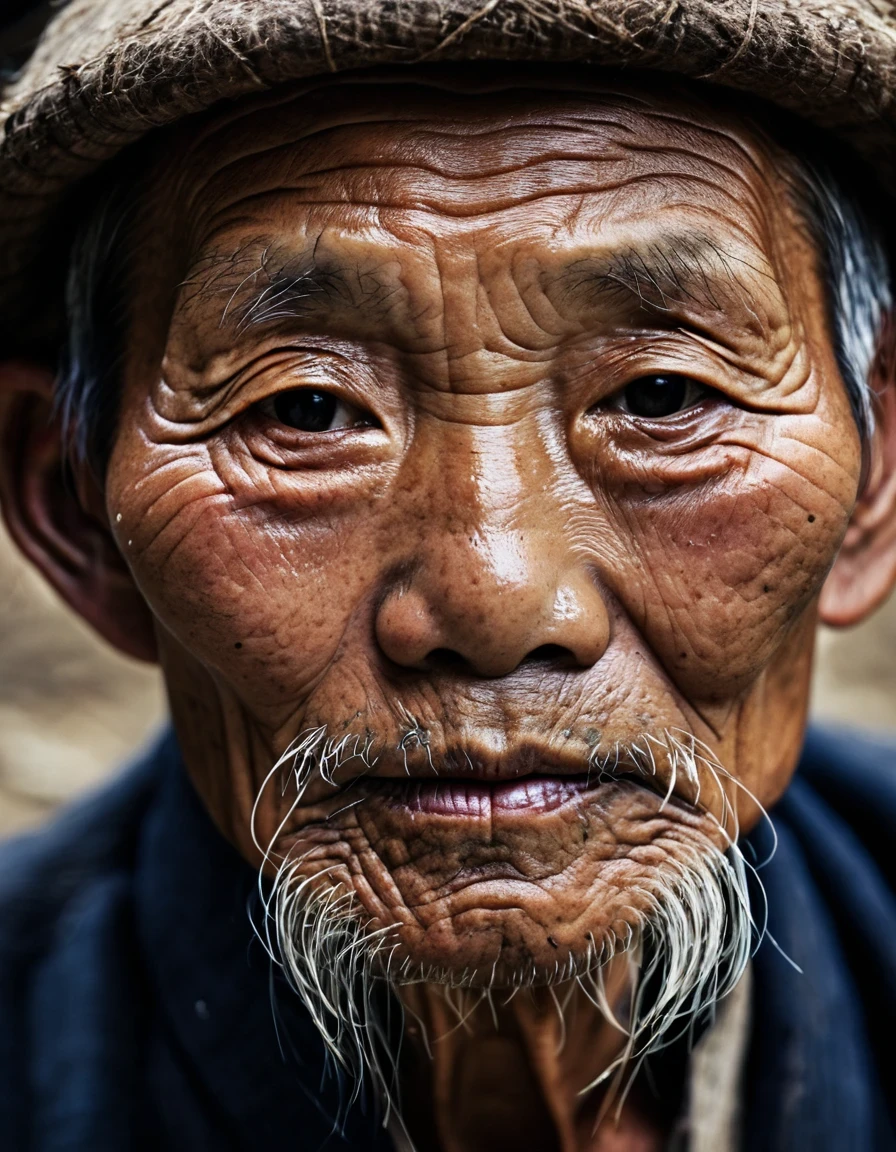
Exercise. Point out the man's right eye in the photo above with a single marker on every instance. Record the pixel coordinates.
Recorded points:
(315, 410)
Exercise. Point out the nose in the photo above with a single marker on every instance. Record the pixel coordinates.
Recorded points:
(486, 603)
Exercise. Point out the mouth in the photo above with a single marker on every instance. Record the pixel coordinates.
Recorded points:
(476, 783)
(481, 799)
(485, 799)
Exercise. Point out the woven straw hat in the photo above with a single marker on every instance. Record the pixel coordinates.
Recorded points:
(106, 72)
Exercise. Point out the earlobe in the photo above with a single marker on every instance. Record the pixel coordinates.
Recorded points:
(864, 572)
(63, 533)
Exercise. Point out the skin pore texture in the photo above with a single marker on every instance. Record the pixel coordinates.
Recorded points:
(488, 576)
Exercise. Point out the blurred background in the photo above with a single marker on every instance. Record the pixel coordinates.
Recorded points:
(72, 710)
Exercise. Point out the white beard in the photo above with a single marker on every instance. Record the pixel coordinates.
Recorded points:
(687, 953)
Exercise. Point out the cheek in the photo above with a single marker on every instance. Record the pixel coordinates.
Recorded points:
(263, 596)
(728, 566)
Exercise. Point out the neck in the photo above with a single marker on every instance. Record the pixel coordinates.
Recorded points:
(515, 1072)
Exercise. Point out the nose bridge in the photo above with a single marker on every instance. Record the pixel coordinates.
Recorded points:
(485, 517)
(490, 576)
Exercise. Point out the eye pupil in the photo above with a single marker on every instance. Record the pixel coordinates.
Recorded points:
(306, 409)
(656, 396)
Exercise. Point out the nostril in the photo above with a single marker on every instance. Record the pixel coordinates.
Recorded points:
(550, 654)
(450, 660)
(446, 660)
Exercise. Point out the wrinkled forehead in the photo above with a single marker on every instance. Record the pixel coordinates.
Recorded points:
(378, 185)
(469, 155)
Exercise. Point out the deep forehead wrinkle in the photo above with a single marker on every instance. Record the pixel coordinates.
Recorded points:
(448, 177)
(506, 144)
(426, 107)
(308, 141)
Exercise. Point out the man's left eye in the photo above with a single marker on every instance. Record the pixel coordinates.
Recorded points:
(314, 410)
(653, 397)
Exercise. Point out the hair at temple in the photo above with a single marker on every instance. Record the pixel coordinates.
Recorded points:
(851, 248)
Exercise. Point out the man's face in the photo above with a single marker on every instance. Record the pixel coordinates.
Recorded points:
(484, 441)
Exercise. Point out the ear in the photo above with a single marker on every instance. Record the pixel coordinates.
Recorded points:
(864, 572)
(63, 532)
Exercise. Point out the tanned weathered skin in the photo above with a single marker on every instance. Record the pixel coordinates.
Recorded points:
(491, 551)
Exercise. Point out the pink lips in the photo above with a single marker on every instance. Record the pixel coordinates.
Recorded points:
(480, 800)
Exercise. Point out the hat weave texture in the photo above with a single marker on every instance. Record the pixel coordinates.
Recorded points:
(108, 71)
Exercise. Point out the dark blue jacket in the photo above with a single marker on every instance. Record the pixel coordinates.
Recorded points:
(136, 1008)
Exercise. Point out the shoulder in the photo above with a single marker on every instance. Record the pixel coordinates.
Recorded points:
(842, 803)
(69, 972)
(831, 751)
(824, 976)
(44, 872)
(853, 773)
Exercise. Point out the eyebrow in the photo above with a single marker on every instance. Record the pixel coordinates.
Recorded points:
(260, 283)
(674, 273)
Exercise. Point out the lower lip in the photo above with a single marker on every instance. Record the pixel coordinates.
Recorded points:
(479, 800)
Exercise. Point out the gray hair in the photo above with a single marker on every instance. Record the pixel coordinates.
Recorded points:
(860, 293)
(852, 251)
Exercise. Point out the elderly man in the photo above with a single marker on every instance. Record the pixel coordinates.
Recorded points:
(476, 447)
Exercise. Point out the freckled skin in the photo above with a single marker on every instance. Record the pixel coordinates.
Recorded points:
(502, 553)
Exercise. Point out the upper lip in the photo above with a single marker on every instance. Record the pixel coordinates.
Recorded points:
(475, 762)
(466, 762)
